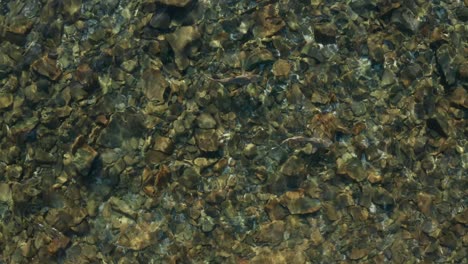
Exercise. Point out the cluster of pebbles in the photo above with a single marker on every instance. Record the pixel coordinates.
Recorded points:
(223, 131)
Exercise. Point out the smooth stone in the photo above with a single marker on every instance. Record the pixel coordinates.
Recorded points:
(47, 67)
(281, 68)
(6, 100)
(163, 144)
(178, 3)
(298, 203)
(207, 140)
(83, 159)
(206, 121)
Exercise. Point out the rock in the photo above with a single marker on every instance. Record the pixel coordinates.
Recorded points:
(449, 239)
(179, 40)
(203, 163)
(270, 233)
(382, 197)
(153, 85)
(121, 127)
(250, 151)
(445, 60)
(281, 68)
(325, 33)
(269, 21)
(358, 253)
(358, 108)
(58, 242)
(311, 50)
(122, 207)
(163, 144)
(257, 57)
(462, 13)
(293, 166)
(83, 159)
(462, 217)
(129, 65)
(71, 8)
(439, 124)
(424, 203)
(190, 178)
(139, 236)
(207, 223)
(47, 67)
(6, 100)
(405, 20)
(298, 203)
(376, 49)
(178, 3)
(275, 210)
(463, 71)
(206, 121)
(27, 249)
(160, 20)
(207, 140)
(5, 193)
(353, 168)
(388, 78)
(410, 73)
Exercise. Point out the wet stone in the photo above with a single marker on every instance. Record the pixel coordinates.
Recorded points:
(139, 236)
(281, 68)
(206, 121)
(269, 21)
(154, 85)
(424, 203)
(179, 41)
(160, 20)
(207, 223)
(275, 210)
(250, 150)
(121, 127)
(178, 3)
(298, 203)
(353, 168)
(358, 108)
(6, 100)
(358, 253)
(122, 207)
(71, 7)
(293, 166)
(270, 233)
(388, 78)
(163, 144)
(445, 59)
(382, 197)
(47, 67)
(187, 131)
(438, 123)
(258, 57)
(405, 19)
(326, 33)
(83, 159)
(207, 140)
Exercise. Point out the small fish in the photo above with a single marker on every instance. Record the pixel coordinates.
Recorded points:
(243, 79)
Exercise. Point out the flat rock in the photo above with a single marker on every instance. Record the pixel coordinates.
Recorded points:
(207, 140)
(47, 67)
(178, 3)
(83, 159)
(206, 121)
(298, 203)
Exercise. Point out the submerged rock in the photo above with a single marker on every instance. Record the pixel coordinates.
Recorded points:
(178, 3)
(298, 203)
